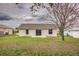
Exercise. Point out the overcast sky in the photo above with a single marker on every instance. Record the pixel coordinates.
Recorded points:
(13, 14)
(15, 9)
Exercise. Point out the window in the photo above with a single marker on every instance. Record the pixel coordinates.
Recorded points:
(27, 31)
(50, 31)
(38, 32)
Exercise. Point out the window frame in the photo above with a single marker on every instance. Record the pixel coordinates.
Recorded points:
(38, 32)
(50, 31)
(27, 31)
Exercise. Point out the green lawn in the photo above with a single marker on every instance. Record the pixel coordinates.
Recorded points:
(15, 45)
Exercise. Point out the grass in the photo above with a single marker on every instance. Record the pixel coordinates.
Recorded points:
(51, 46)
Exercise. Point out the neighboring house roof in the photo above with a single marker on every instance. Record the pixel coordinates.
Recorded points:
(74, 29)
(4, 26)
(37, 26)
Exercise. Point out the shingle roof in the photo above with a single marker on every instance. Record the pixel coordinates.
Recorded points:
(4, 26)
(37, 26)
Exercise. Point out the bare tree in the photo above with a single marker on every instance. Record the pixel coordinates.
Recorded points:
(63, 15)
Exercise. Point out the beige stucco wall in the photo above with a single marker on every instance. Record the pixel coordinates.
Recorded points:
(22, 33)
(33, 33)
(46, 33)
(10, 31)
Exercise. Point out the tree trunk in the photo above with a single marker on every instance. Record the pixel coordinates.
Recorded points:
(62, 34)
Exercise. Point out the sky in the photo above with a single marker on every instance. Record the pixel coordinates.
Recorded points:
(14, 14)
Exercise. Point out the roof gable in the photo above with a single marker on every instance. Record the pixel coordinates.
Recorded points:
(4, 26)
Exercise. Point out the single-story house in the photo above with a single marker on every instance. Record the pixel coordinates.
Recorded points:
(73, 32)
(5, 30)
(37, 30)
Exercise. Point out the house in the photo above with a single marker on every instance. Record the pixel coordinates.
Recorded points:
(37, 30)
(5, 30)
(73, 32)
